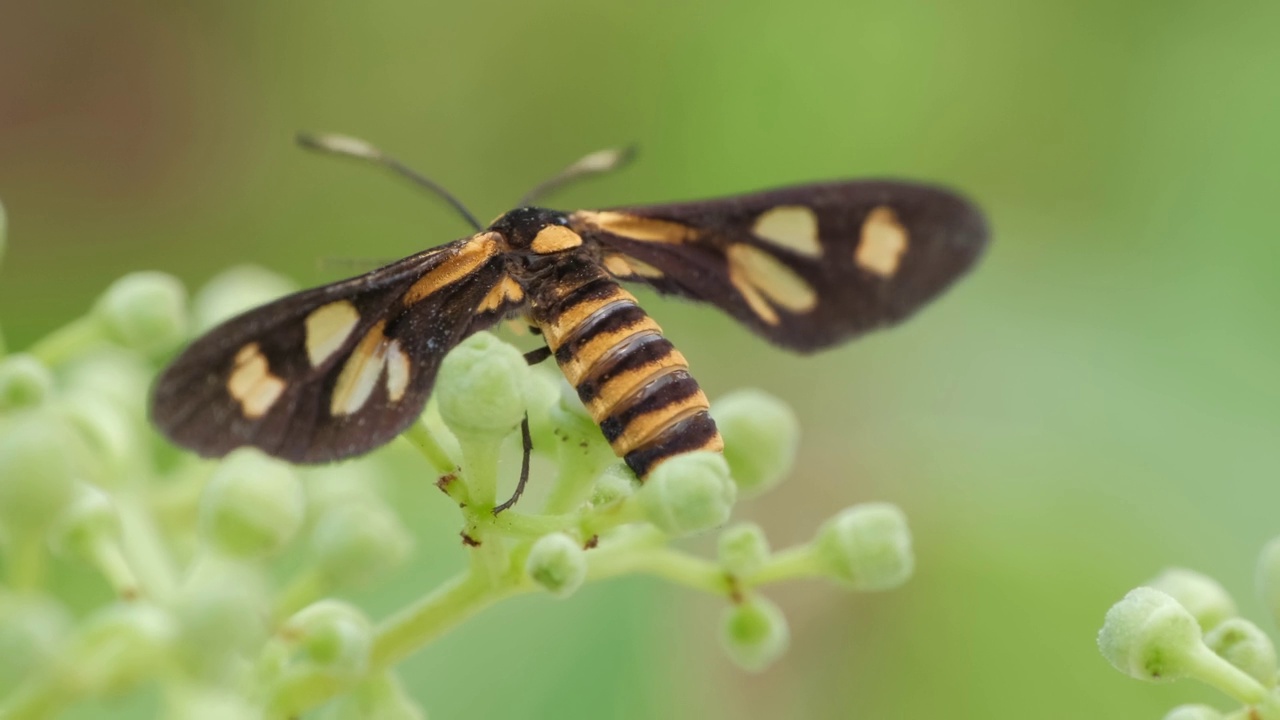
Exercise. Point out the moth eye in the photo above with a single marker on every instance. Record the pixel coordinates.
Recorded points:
(791, 227)
(251, 382)
(883, 242)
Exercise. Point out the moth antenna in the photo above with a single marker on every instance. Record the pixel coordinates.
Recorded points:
(597, 163)
(357, 148)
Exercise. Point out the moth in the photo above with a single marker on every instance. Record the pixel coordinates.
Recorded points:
(339, 370)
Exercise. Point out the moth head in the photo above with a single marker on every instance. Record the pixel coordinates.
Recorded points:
(537, 231)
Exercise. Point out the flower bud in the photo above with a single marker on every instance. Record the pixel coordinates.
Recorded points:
(1201, 595)
(688, 493)
(867, 546)
(743, 549)
(114, 374)
(1244, 645)
(1193, 712)
(761, 435)
(333, 636)
(481, 387)
(358, 542)
(1150, 636)
(754, 633)
(617, 482)
(252, 505)
(24, 382)
(558, 563)
(122, 646)
(37, 471)
(33, 631)
(144, 311)
(234, 291)
(221, 615)
(87, 520)
(107, 430)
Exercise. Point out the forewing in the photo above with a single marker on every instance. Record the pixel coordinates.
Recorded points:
(805, 266)
(331, 372)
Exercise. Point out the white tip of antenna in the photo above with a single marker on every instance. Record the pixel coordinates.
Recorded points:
(603, 160)
(341, 144)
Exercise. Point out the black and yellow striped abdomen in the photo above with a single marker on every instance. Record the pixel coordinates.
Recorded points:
(635, 385)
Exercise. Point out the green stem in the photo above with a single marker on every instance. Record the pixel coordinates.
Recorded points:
(68, 341)
(578, 470)
(407, 631)
(789, 564)
(1211, 668)
(305, 588)
(421, 437)
(26, 562)
(515, 524)
(110, 561)
(144, 549)
(646, 552)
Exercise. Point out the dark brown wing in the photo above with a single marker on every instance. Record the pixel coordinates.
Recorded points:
(331, 372)
(807, 266)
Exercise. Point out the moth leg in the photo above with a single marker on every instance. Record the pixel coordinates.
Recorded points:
(527, 439)
(533, 357)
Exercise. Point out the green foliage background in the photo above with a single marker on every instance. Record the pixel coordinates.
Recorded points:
(1099, 400)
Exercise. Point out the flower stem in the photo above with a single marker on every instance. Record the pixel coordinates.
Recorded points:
(68, 341)
(421, 437)
(795, 562)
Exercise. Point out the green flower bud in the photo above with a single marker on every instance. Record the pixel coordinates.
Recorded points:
(1244, 645)
(234, 291)
(761, 436)
(221, 616)
(743, 549)
(688, 493)
(558, 563)
(867, 546)
(333, 636)
(144, 311)
(481, 388)
(38, 471)
(754, 633)
(1193, 712)
(359, 542)
(1151, 636)
(1268, 577)
(33, 631)
(1201, 595)
(24, 382)
(252, 505)
(110, 434)
(88, 520)
(122, 646)
(616, 483)
(117, 375)
(381, 697)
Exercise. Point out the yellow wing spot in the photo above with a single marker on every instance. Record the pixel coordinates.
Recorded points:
(327, 329)
(758, 275)
(791, 227)
(554, 239)
(359, 377)
(470, 256)
(507, 290)
(634, 227)
(251, 382)
(627, 267)
(884, 241)
(397, 371)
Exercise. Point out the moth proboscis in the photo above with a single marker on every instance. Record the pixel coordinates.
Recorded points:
(339, 370)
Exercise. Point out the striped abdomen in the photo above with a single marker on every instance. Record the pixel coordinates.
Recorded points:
(636, 386)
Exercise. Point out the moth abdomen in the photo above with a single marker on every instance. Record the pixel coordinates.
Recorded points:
(634, 383)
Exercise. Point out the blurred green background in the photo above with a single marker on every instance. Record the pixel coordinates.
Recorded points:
(1099, 400)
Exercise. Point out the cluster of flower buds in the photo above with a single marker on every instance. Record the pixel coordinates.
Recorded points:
(1185, 625)
(127, 561)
